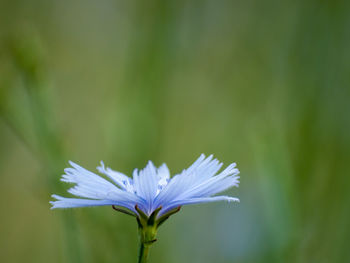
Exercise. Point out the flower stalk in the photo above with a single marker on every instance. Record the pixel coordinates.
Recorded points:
(148, 226)
(144, 244)
(147, 232)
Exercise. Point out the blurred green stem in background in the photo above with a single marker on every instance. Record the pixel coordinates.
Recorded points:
(26, 62)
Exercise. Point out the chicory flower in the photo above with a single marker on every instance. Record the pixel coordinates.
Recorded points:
(151, 195)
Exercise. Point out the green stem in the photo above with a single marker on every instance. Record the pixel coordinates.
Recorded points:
(147, 236)
(143, 252)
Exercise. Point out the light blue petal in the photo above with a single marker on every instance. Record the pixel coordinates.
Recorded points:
(163, 175)
(175, 204)
(90, 185)
(220, 186)
(208, 170)
(175, 187)
(202, 169)
(148, 185)
(196, 163)
(78, 174)
(215, 184)
(118, 178)
(203, 172)
(63, 202)
(178, 183)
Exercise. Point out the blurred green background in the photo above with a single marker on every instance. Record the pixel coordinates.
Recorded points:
(262, 83)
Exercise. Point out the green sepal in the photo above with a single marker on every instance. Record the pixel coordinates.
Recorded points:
(152, 219)
(164, 217)
(147, 233)
(143, 217)
(148, 226)
(124, 211)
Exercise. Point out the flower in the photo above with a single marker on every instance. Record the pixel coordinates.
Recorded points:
(151, 190)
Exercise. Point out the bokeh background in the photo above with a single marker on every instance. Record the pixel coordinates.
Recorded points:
(262, 83)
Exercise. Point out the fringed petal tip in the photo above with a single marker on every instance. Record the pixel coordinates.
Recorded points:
(233, 199)
(71, 163)
(52, 205)
(55, 203)
(57, 197)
